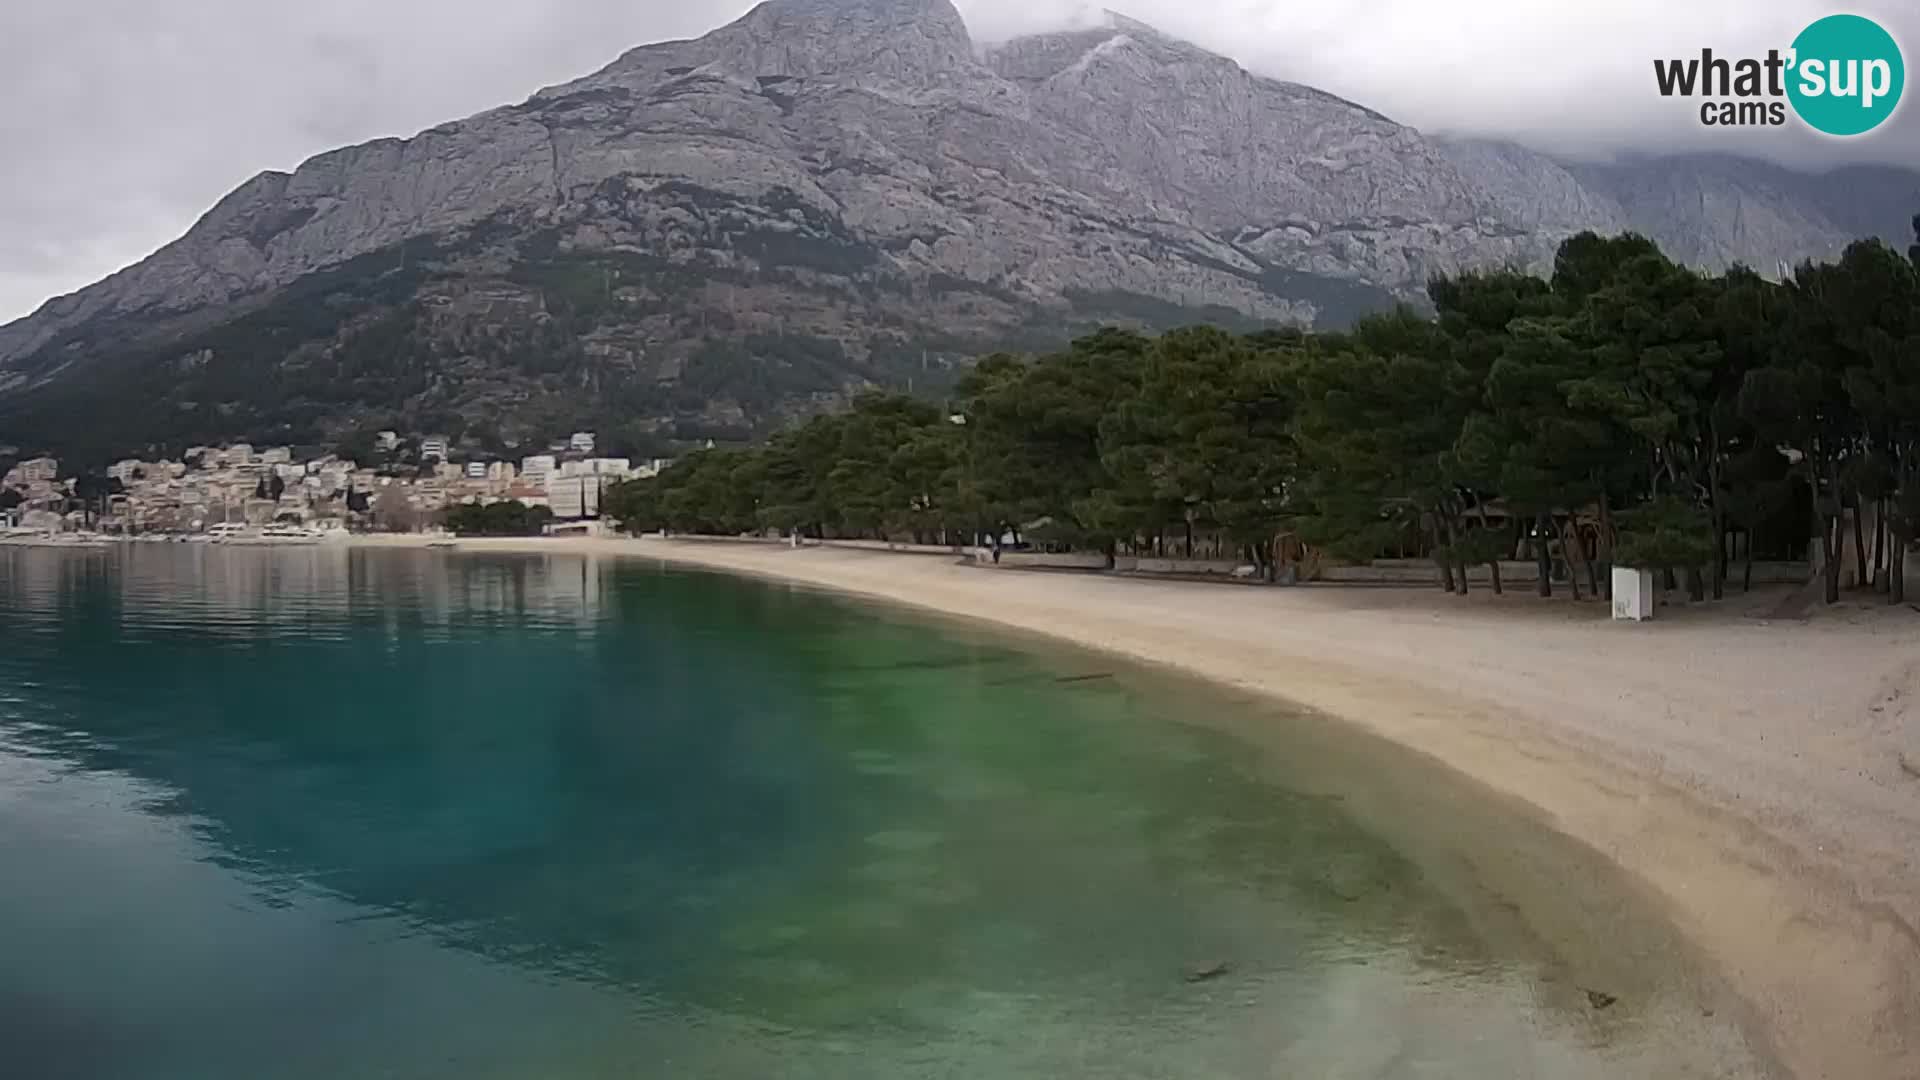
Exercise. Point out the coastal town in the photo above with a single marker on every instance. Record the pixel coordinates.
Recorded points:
(237, 489)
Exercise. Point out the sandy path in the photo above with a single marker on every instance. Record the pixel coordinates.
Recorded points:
(1750, 773)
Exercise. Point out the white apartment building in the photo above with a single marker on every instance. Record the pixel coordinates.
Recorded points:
(476, 470)
(581, 442)
(433, 446)
(574, 496)
(617, 468)
(536, 469)
(41, 470)
(329, 480)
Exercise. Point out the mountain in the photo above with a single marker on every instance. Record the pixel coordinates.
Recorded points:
(708, 237)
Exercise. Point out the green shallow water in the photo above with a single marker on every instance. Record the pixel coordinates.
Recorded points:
(326, 813)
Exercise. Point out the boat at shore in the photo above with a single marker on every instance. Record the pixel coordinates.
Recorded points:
(44, 538)
(269, 535)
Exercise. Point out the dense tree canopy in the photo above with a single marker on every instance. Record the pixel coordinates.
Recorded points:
(1626, 407)
(507, 518)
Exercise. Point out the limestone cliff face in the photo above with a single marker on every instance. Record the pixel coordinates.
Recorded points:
(841, 193)
(1709, 210)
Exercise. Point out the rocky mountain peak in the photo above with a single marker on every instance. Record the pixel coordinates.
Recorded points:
(910, 41)
(714, 235)
(1032, 58)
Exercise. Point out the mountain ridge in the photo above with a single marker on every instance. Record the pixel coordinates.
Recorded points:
(854, 174)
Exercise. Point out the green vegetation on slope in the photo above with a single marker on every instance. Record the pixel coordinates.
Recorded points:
(762, 310)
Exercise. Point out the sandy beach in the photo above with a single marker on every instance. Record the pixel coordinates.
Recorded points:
(1760, 778)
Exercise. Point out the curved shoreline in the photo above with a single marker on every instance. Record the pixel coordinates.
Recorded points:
(1748, 774)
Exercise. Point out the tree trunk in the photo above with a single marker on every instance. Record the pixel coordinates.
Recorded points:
(1880, 546)
(1897, 577)
(1453, 555)
(1716, 517)
(1604, 546)
(1696, 587)
(1900, 533)
(1829, 550)
(1860, 546)
(1493, 565)
(1719, 567)
(1542, 556)
(1439, 556)
(1575, 551)
(1575, 555)
(1832, 528)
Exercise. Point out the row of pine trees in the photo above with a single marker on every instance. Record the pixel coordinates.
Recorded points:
(1624, 410)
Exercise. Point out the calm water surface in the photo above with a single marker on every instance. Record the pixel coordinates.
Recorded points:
(326, 813)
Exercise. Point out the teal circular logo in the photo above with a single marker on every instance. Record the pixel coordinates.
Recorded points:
(1847, 75)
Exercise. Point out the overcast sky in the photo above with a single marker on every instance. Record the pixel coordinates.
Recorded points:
(123, 120)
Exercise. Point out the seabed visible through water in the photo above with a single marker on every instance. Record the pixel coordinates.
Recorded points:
(341, 813)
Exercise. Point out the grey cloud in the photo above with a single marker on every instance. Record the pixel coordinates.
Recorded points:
(125, 119)
(1570, 78)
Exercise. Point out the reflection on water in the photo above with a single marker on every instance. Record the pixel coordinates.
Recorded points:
(293, 592)
(321, 813)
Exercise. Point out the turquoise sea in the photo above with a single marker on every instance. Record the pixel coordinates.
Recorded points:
(328, 813)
